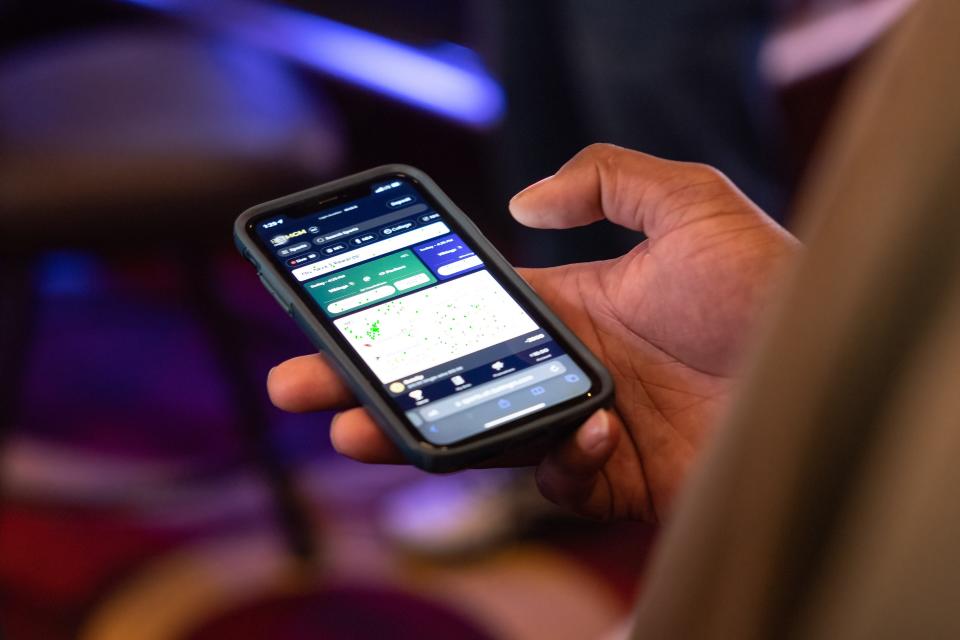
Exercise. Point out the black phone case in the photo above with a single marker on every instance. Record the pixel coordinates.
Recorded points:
(427, 456)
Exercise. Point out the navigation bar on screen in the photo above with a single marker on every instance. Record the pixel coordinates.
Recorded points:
(375, 250)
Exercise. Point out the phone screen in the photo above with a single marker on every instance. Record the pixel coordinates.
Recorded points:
(456, 353)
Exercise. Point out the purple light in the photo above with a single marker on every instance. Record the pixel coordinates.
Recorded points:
(443, 85)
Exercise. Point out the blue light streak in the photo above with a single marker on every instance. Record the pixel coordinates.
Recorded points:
(447, 86)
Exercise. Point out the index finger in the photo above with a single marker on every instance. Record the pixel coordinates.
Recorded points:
(632, 189)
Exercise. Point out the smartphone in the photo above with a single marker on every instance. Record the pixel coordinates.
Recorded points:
(451, 352)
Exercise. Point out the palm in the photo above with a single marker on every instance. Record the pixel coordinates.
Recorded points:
(668, 320)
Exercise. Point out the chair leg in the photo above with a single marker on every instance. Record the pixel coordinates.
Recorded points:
(226, 339)
(18, 310)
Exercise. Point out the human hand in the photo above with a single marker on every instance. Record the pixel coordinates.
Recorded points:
(669, 319)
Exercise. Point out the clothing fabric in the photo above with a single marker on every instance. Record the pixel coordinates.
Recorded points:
(826, 507)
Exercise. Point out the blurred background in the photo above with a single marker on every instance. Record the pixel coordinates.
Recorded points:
(148, 488)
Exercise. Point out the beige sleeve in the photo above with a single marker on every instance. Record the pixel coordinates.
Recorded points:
(829, 505)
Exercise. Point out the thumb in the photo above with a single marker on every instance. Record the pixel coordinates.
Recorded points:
(570, 474)
(629, 188)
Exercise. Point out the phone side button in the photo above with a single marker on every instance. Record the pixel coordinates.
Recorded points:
(286, 306)
(249, 258)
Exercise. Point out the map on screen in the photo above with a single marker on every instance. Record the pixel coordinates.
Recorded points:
(435, 325)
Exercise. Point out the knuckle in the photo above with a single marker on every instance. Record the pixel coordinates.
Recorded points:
(611, 162)
(601, 152)
(708, 174)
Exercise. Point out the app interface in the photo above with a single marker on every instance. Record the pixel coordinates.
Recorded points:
(452, 348)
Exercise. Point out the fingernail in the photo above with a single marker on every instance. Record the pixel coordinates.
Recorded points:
(333, 437)
(530, 188)
(595, 434)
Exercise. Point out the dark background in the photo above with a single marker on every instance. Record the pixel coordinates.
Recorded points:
(148, 487)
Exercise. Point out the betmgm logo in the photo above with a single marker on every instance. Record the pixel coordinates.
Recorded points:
(282, 239)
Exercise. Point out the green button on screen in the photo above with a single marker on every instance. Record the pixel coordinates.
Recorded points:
(370, 283)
